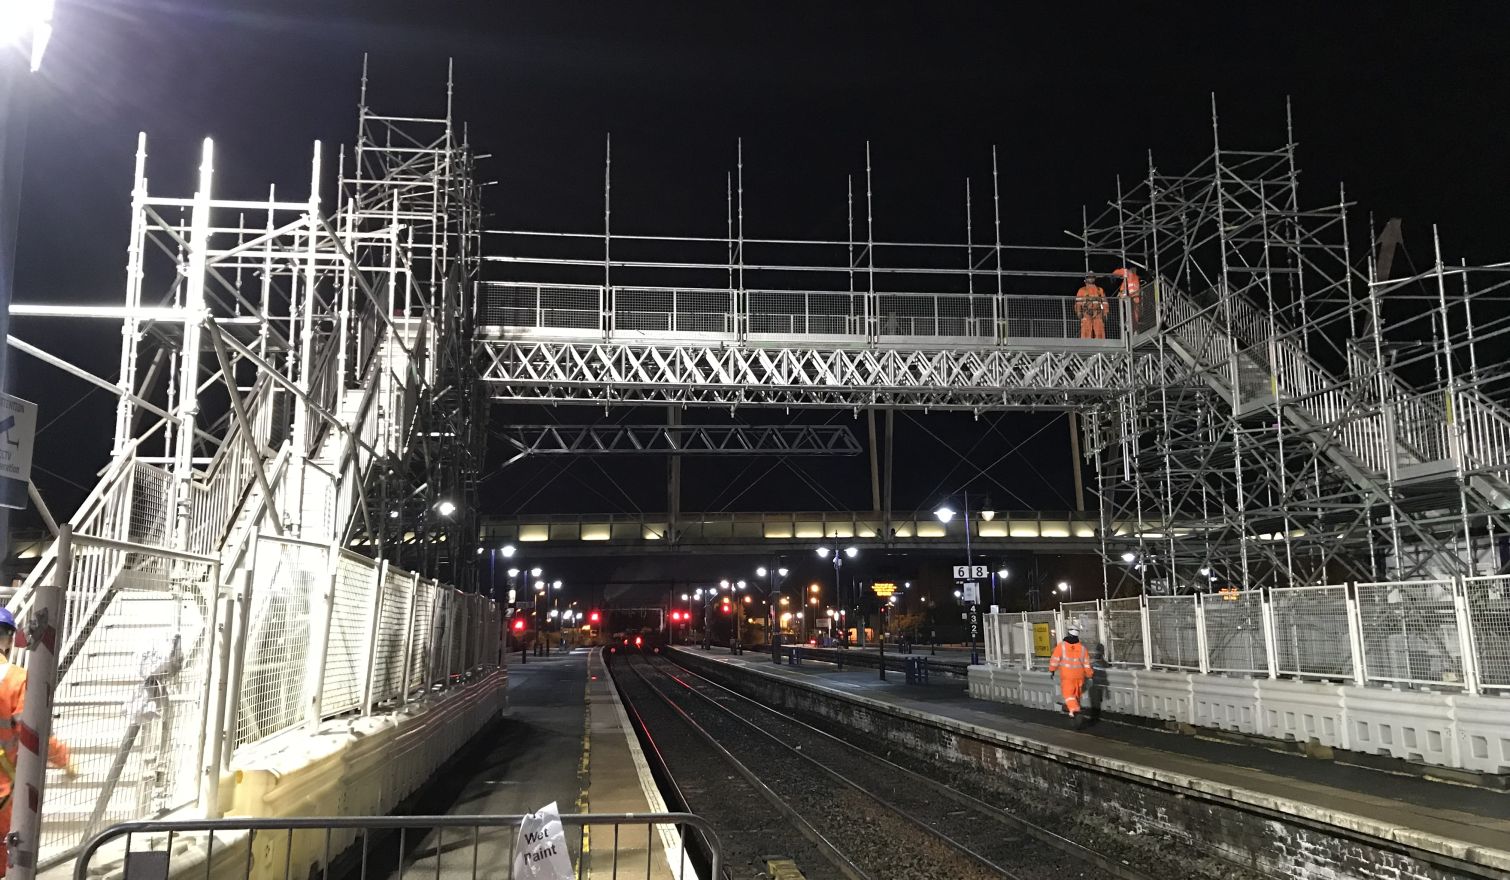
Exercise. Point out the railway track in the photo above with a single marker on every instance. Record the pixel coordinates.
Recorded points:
(781, 786)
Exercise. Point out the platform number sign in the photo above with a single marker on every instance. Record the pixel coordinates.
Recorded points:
(970, 572)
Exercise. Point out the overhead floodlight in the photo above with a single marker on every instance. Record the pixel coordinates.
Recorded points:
(1002, 572)
(1064, 586)
(535, 572)
(944, 513)
(1205, 572)
(1129, 556)
(445, 508)
(685, 597)
(479, 551)
(823, 552)
(540, 586)
(507, 550)
(27, 20)
(740, 585)
(851, 552)
(988, 515)
(556, 585)
(393, 514)
(760, 572)
(781, 572)
(513, 572)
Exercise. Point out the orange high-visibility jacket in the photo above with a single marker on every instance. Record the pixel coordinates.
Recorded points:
(1090, 301)
(12, 701)
(1070, 661)
(1131, 286)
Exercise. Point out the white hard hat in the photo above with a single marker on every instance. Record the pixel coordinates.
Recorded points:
(1074, 631)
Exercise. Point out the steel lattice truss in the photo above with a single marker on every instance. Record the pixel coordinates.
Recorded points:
(961, 379)
(714, 440)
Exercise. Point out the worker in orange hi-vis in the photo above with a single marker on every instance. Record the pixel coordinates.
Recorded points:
(1072, 663)
(1090, 307)
(1131, 288)
(12, 700)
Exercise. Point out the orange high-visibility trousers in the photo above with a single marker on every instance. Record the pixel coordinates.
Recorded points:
(1092, 327)
(1072, 689)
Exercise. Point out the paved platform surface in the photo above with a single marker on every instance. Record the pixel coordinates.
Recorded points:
(564, 739)
(1474, 816)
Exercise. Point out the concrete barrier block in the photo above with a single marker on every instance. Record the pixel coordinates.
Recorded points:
(1410, 725)
(1483, 732)
(1164, 694)
(1225, 703)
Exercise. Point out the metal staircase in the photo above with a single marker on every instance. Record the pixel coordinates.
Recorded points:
(272, 423)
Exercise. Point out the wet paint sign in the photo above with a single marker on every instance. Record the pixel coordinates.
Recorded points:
(541, 851)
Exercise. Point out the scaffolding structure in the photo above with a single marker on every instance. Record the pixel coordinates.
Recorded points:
(286, 529)
(1314, 422)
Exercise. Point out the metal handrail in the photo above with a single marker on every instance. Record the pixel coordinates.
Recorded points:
(171, 828)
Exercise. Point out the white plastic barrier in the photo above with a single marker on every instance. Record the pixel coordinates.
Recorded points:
(1459, 731)
(1302, 711)
(1226, 703)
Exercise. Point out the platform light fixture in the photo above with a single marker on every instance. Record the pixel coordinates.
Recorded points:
(508, 551)
(851, 552)
(760, 572)
(513, 572)
(27, 20)
(1064, 586)
(944, 513)
(823, 552)
(445, 508)
(536, 571)
(1129, 556)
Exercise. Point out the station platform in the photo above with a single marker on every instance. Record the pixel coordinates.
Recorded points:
(1462, 822)
(565, 738)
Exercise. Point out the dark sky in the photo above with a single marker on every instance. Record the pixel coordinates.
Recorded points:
(1406, 102)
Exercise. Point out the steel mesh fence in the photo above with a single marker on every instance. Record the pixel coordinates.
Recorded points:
(927, 314)
(422, 634)
(346, 650)
(393, 624)
(1311, 638)
(286, 579)
(1488, 601)
(1124, 631)
(637, 308)
(1084, 617)
(1410, 633)
(1173, 641)
(1235, 632)
(818, 312)
(150, 491)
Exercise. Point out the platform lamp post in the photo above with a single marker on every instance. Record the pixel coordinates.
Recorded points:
(838, 556)
(945, 514)
(25, 29)
(508, 552)
(773, 578)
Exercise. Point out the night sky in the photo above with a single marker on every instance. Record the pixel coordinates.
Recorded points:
(1406, 103)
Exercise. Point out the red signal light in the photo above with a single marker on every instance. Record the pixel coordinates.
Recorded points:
(593, 617)
(519, 625)
(638, 641)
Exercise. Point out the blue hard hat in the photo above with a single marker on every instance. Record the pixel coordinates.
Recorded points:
(7, 619)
